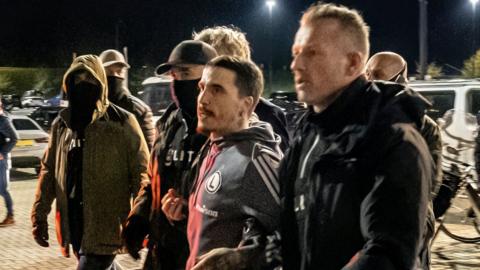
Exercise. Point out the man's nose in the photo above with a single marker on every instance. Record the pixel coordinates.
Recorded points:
(297, 63)
(202, 97)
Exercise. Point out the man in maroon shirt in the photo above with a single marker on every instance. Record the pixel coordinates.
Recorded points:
(236, 180)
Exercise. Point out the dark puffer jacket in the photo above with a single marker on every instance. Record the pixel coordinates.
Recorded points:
(274, 115)
(357, 182)
(170, 166)
(431, 133)
(122, 97)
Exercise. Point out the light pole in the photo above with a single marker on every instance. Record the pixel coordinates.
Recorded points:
(423, 38)
(474, 30)
(270, 4)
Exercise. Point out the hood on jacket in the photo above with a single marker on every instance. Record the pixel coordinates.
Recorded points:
(93, 65)
(398, 103)
(257, 131)
(360, 110)
(401, 97)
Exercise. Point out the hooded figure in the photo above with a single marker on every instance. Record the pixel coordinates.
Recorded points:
(118, 93)
(95, 161)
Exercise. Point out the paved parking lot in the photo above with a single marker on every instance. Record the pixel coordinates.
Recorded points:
(19, 251)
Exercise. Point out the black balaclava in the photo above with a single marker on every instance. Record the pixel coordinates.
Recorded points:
(82, 99)
(185, 95)
(115, 88)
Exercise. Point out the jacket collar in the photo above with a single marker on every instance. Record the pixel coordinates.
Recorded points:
(343, 109)
(257, 131)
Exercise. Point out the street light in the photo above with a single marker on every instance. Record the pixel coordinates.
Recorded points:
(474, 2)
(270, 4)
(423, 37)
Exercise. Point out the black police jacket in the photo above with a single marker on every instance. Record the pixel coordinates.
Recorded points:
(357, 182)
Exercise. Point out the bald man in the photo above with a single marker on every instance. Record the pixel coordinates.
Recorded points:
(387, 66)
(390, 66)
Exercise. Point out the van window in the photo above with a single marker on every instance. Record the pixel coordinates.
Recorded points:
(24, 124)
(157, 96)
(442, 101)
(473, 101)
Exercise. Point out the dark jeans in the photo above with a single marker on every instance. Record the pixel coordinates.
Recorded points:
(4, 180)
(96, 262)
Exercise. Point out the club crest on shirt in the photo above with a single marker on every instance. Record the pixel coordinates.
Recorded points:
(213, 183)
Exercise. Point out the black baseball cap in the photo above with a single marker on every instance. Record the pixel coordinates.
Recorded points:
(188, 52)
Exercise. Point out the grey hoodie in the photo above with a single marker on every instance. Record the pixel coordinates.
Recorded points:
(237, 179)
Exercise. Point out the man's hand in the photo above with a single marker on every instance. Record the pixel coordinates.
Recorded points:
(1, 157)
(172, 206)
(40, 233)
(220, 258)
(133, 233)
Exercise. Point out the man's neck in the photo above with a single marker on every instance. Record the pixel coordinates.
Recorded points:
(222, 133)
(329, 100)
(318, 108)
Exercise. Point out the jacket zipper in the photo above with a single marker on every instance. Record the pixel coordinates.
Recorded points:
(304, 165)
(208, 168)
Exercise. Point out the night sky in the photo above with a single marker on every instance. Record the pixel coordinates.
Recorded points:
(46, 33)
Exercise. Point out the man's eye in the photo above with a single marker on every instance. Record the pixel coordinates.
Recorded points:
(311, 53)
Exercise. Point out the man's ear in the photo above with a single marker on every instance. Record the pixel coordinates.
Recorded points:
(247, 106)
(355, 64)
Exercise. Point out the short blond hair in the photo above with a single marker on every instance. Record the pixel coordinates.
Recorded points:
(349, 19)
(227, 40)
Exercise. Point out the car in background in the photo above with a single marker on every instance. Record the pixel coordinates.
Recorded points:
(156, 94)
(45, 115)
(32, 98)
(22, 111)
(55, 101)
(11, 101)
(284, 95)
(287, 100)
(456, 108)
(33, 102)
(31, 144)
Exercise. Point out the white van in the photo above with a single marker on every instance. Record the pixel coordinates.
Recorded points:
(456, 105)
(156, 93)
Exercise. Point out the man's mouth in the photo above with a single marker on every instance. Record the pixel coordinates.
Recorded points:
(300, 83)
(202, 113)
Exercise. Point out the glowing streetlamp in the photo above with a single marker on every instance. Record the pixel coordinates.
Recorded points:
(474, 2)
(272, 3)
